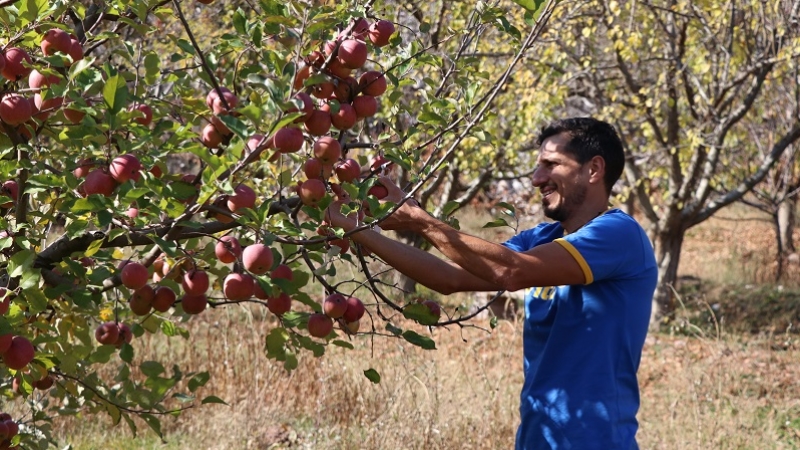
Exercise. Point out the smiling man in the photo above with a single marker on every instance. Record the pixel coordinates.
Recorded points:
(592, 274)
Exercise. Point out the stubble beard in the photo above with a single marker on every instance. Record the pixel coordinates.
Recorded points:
(566, 206)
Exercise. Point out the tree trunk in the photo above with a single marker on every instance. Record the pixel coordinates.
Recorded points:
(668, 254)
(786, 214)
(776, 223)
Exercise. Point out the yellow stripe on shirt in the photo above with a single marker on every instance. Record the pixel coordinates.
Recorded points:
(587, 272)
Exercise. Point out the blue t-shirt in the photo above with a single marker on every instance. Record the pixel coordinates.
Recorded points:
(582, 343)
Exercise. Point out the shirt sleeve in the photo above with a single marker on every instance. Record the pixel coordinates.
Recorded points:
(610, 246)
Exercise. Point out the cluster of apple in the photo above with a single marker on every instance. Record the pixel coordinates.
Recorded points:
(16, 351)
(8, 429)
(105, 179)
(16, 109)
(347, 310)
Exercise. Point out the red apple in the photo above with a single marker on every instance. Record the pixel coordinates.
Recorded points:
(352, 327)
(322, 90)
(243, 197)
(5, 342)
(141, 302)
(282, 272)
(15, 109)
(99, 181)
(306, 106)
(195, 282)
(352, 53)
(288, 140)
(335, 305)
(144, 109)
(194, 304)
(348, 170)
(380, 32)
(44, 383)
(37, 80)
(10, 189)
(256, 140)
(318, 123)
(222, 129)
(345, 118)
(125, 167)
(372, 83)
(345, 89)
(75, 50)
(311, 192)
(134, 275)
(84, 166)
(238, 286)
(163, 299)
(301, 76)
(19, 354)
(257, 258)
(14, 68)
(319, 325)
(5, 301)
(279, 305)
(434, 308)
(214, 95)
(365, 106)
(219, 107)
(54, 40)
(360, 28)
(210, 137)
(327, 150)
(355, 310)
(378, 191)
(314, 169)
(107, 333)
(227, 249)
(73, 115)
(124, 334)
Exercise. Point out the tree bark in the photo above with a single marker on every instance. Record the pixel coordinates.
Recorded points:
(786, 218)
(668, 253)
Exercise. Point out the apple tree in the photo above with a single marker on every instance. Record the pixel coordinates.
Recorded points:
(284, 107)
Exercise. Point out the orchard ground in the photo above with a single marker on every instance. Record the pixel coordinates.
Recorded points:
(721, 375)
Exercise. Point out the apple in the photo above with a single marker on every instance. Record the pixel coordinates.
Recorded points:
(84, 166)
(314, 169)
(5, 301)
(243, 197)
(345, 89)
(372, 83)
(210, 137)
(343, 244)
(218, 106)
(134, 275)
(301, 76)
(434, 308)
(195, 282)
(227, 249)
(255, 141)
(279, 305)
(99, 181)
(355, 310)
(37, 80)
(258, 291)
(352, 53)
(15, 109)
(107, 333)
(125, 167)
(319, 325)
(348, 170)
(288, 140)
(360, 28)
(144, 109)
(257, 258)
(214, 95)
(238, 286)
(44, 383)
(10, 189)
(327, 150)
(14, 68)
(318, 123)
(55, 40)
(124, 335)
(322, 90)
(311, 192)
(19, 354)
(365, 106)
(220, 126)
(13, 429)
(73, 115)
(338, 70)
(378, 191)
(335, 305)
(283, 272)
(45, 107)
(345, 118)
(3, 433)
(352, 327)
(380, 32)
(163, 298)
(141, 302)
(194, 304)
(5, 342)
(307, 108)
(75, 50)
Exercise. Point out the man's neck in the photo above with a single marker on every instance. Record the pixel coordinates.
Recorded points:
(584, 216)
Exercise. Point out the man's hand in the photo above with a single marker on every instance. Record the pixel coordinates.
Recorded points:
(405, 217)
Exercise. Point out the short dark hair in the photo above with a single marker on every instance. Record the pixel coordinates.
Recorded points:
(589, 138)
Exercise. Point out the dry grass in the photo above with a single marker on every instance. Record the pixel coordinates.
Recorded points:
(705, 384)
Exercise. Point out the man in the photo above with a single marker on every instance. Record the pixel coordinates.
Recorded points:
(593, 275)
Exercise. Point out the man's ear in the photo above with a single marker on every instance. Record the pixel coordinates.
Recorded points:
(597, 169)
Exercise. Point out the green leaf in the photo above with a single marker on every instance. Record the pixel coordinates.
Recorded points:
(373, 375)
(115, 93)
(493, 322)
(37, 302)
(153, 422)
(151, 67)
(343, 344)
(420, 313)
(499, 222)
(419, 340)
(213, 399)
(393, 329)
(239, 21)
(198, 380)
(530, 5)
(450, 207)
(151, 368)
(235, 125)
(126, 353)
(20, 262)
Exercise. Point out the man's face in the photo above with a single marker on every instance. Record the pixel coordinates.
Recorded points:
(562, 181)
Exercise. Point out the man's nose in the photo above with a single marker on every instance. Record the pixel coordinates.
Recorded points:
(539, 177)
